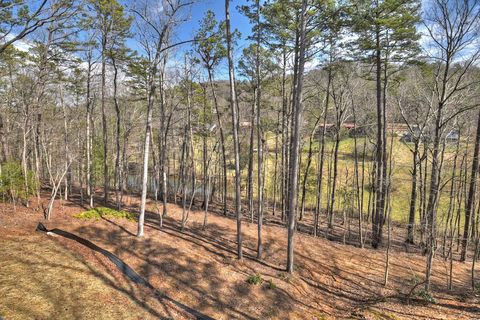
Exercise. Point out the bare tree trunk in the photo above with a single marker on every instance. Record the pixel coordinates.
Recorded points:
(432, 199)
(55, 188)
(475, 256)
(25, 133)
(423, 193)
(68, 176)
(188, 152)
(307, 169)
(117, 136)
(124, 163)
(471, 193)
(413, 196)
(146, 153)
(387, 252)
(357, 183)
(222, 140)
(250, 156)
(38, 156)
(104, 119)
(206, 205)
(88, 131)
(55, 181)
(389, 211)
(378, 218)
(284, 168)
(80, 167)
(297, 111)
(362, 185)
(334, 178)
(260, 138)
(3, 142)
(318, 206)
(206, 178)
(275, 172)
(163, 145)
(236, 142)
(460, 195)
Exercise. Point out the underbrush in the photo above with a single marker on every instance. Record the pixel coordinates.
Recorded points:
(14, 184)
(425, 296)
(270, 284)
(100, 212)
(255, 279)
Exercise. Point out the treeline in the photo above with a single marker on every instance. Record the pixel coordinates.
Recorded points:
(321, 106)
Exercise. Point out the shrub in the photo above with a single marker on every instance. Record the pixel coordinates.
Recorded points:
(255, 279)
(270, 284)
(14, 184)
(99, 212)
(426, 296)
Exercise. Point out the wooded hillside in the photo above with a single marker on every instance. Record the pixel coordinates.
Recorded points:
(353, 121)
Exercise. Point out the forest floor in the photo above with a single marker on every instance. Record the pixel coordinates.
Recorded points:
(195, 273)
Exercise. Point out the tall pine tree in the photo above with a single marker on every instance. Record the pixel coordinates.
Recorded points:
(386, 36)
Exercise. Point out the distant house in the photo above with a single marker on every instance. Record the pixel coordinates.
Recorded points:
(354, 130)
(452, 136)
(408, 138)
(416, 134)
(351, 128)
(412, 135)
(398, 129)
(244, 124)
(329, 130)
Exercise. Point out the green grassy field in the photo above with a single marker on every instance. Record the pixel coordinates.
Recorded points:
(400, 175)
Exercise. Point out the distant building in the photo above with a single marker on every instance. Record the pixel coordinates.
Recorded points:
(452, 136)
(244, 124)
(352, 129)
(329, 130)
(416, 134)
(413, 135)
(399, 129)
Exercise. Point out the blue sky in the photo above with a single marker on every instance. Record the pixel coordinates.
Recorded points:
(196, 12)
(238, 21)
(199, 8)
(187, 30)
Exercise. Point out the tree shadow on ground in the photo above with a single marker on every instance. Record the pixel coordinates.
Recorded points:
(73, 296)
(198, 274)
(201, 283)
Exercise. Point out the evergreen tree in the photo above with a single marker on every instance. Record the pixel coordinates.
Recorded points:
(386, 36)
(110, 20)
(210, 48)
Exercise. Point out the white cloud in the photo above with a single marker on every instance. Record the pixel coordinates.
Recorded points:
(21, 45)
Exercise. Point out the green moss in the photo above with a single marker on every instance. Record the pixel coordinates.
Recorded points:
(99, 212)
